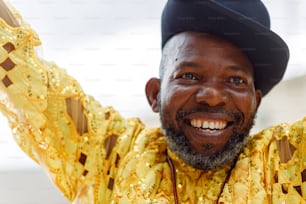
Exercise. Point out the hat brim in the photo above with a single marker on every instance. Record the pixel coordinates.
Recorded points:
(268, 53)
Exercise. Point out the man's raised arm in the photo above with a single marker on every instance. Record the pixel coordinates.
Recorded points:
(67, 132)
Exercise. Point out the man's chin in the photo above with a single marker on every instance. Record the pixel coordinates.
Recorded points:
(178, 145)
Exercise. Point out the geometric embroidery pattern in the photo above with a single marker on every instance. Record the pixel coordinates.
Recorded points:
(7, 64)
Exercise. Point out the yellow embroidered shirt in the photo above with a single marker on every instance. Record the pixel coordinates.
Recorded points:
(93, 155)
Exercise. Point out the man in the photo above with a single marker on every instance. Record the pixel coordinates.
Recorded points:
(219, 59)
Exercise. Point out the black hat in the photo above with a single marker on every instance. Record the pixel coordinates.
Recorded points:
(245, 23)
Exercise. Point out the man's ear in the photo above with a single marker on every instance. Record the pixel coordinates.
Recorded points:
(152, 93)
(258, 97)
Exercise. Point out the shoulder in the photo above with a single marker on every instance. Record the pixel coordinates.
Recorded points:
(280, 152)
(292, 134)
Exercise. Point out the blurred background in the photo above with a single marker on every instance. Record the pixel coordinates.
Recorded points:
(112, 47)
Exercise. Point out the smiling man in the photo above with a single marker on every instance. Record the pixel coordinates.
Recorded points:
(219, 58)
(207, 99)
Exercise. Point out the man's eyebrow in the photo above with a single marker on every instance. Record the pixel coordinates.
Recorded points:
(188, 64)
(240, 68)
(191, 64)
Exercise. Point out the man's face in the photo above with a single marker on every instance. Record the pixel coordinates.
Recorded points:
(207, 100)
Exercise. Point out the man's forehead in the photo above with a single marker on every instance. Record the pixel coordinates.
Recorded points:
(187, 39)
(188, 46)
(195, 43)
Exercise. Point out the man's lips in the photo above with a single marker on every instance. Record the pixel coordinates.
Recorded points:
(202, 131)
(209, 124)
(213, 127)
(209, 121)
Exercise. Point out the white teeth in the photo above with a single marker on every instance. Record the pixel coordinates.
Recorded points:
(199, 124)
(213, 125)
(205, 125)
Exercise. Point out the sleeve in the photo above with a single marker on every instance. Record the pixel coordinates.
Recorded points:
(271, 168)
(287, 163)
(64, 130)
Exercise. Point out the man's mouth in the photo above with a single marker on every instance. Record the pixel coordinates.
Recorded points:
(209, 124)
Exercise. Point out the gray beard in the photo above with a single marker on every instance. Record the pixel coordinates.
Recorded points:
(178, 144)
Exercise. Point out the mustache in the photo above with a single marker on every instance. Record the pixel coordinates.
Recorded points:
(237, 116)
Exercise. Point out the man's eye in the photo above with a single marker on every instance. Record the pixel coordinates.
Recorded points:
(237, 80)
(189, 76)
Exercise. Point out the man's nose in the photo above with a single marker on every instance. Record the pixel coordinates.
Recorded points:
(212, 94)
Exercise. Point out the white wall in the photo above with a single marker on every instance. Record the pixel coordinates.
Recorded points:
(28, 187)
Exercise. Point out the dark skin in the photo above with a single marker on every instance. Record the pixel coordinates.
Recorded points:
(207, 91)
